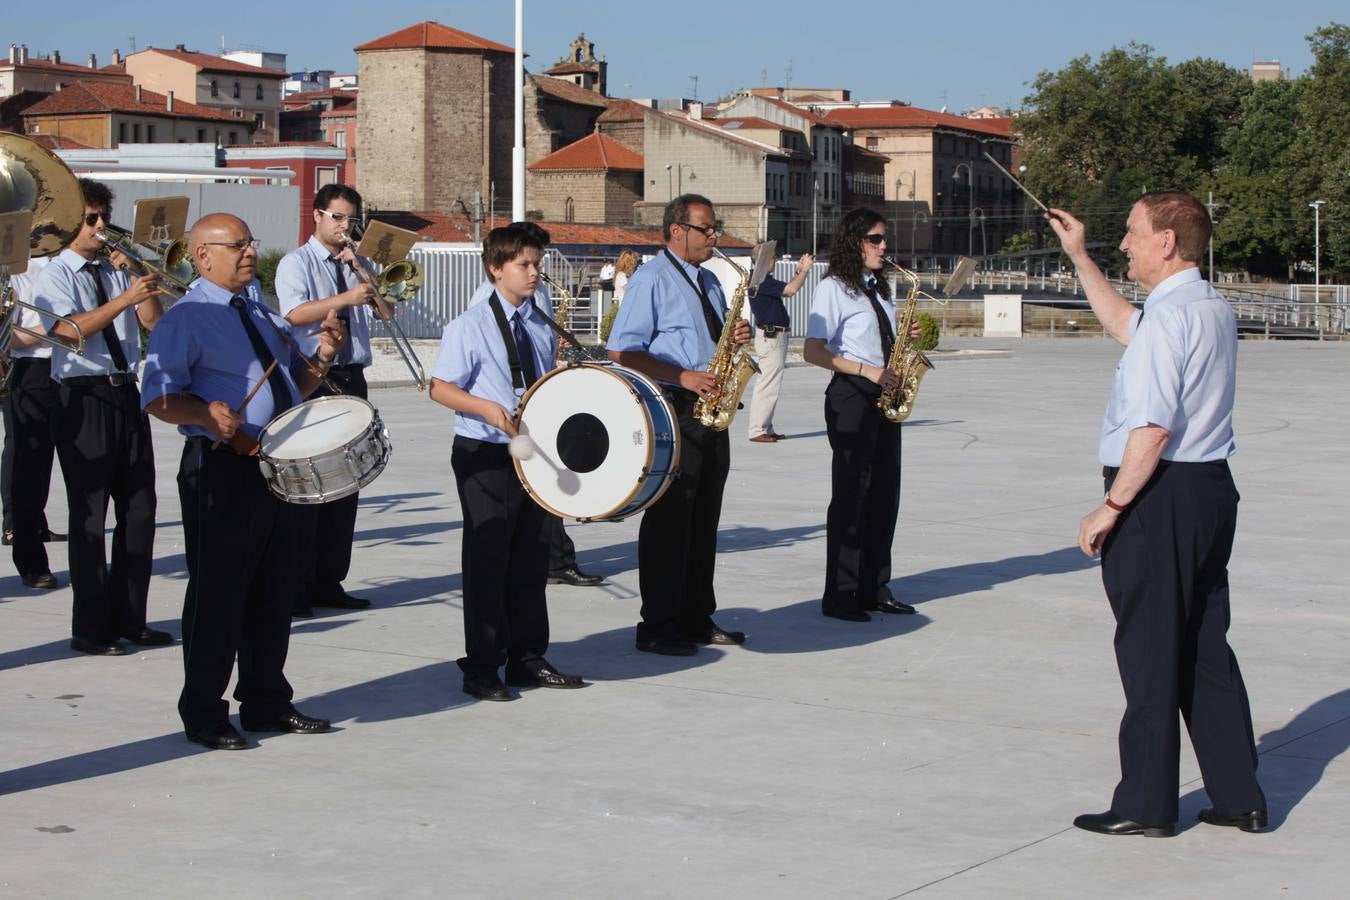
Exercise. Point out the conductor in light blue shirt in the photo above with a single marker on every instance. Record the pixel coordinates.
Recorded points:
(1165, 526)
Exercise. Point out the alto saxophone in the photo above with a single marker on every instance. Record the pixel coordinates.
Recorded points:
(561, 313)
(907, 361)
(731, 366)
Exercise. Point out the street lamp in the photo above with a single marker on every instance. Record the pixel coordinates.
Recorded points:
(1317, 244)
(679, 176)
(670, 184)
(815, 200)
(956, 176)
(913, 227)
(975, 213)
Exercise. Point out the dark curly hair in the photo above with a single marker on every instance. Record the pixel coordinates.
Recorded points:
(846, 253)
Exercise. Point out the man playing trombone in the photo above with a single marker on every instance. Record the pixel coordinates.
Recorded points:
(314, 279)
(101, 435)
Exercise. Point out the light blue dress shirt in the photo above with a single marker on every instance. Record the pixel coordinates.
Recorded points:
(541, 296)
(1179, 372)
(663, 315)
(201, 348)
(65, 289)
(305, 274)
(845, 320)
(473, 358)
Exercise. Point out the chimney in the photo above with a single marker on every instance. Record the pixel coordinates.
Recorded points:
(180, 48)
(696, 111)
(13, 54)
(117, 57)
(23, 53)
(138, 93)
(56, 56)
(169, 94)
(93, 61)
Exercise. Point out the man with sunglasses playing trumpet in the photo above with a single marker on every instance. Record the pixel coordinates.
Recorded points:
(313, 280)
(102, 437)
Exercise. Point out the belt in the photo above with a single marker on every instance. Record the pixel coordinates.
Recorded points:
(772, 330)
(116, 379)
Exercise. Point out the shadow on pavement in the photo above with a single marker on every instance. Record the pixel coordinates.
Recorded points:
(60, 649)
(964, 579)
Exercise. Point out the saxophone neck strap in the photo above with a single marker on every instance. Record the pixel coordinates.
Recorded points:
(709, 313)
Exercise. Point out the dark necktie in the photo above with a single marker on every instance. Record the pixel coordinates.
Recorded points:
(883, 323)
(281, 392)
(345, 313)
(119, 356)
(526, 350)
(709, 314)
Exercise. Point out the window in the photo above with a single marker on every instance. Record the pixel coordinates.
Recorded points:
(278, 181)
(149, 134)
(215, 88)
(871, 143)
(234, 137)
(201, 135)
(569, 210)
(236, 91)
(258, 95)
(121, 132)
(258, 121)
(325, 175)
(136, 133)
(340, 138)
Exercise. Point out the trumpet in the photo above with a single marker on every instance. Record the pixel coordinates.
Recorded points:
(403, 278)
(10, 305)
(174, 270)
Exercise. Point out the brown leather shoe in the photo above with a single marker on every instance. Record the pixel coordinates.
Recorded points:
(763, 439)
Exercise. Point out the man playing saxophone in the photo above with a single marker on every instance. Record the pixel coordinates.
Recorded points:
(668, 328)
(851, 332)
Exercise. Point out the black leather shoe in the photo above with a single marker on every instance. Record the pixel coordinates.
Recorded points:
(892, 605)
(668, 646)
(848, 615)
(1110, 823)
(543, 676)
(340, 599)
(574, 576)
(219, 737)
(302, 612)
(43, 581)
(7, 538)
(292, 722)
(487, 687)
(95, 648)
(149, 637)
(47, 536)
(716, 635)
(1252, 821)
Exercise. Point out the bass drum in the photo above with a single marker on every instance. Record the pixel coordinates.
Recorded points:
(323, 450)
(604, 442)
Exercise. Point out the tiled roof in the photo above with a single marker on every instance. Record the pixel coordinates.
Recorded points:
(914, 117)
(346, 110)
(867, 154)
(62, 67)
(712, 129)
(595, 151)
(97, 96)
(56, 142)
(571, 68)
(433, 36)
(624, 111)
(302, 99)
(456, 228)
(205, 62)
(566, 90)
(806, 114)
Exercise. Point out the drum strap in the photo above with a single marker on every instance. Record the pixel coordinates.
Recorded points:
(281, 392)
(709, 313)
(519, 380)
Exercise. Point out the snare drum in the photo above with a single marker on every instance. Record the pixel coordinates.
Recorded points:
(606, 442)
(323, 450)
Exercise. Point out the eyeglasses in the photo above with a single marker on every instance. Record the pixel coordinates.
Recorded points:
(91, 219)
(338, 218)
(876, 240)
(713, 230)
(238, 246)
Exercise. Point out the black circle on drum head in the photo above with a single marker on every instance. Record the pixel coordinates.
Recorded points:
(583, 443)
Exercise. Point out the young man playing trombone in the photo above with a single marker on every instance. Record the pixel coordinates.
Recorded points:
(319, 277)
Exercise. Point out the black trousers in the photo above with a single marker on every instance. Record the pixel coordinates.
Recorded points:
(1165, 569)
(103, 440)
(864, 495)
(325, 551)
(677, 541)
(504, 559)
(240, 543)
(29, 410)
(562, 553)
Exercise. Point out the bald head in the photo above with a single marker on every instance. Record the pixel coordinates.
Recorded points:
(220, 246)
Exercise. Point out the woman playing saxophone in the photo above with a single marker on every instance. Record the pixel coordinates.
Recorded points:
(851, 332)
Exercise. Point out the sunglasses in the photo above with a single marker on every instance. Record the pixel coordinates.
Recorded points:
(338, 218)
(91, 219)
(713, 230)
(876, 240)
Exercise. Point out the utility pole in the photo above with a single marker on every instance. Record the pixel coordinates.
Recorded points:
(1317, 244)
(815, 197)
(1211, 206)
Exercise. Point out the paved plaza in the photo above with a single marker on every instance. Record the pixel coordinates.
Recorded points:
(939, 755)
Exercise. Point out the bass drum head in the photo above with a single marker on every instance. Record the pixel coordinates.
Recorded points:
(315, 427)
(598, 451)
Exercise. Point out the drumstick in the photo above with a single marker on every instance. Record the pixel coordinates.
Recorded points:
(261, 382)
(1019, 184)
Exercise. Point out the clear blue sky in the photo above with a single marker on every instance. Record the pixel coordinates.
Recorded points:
(964, 54)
